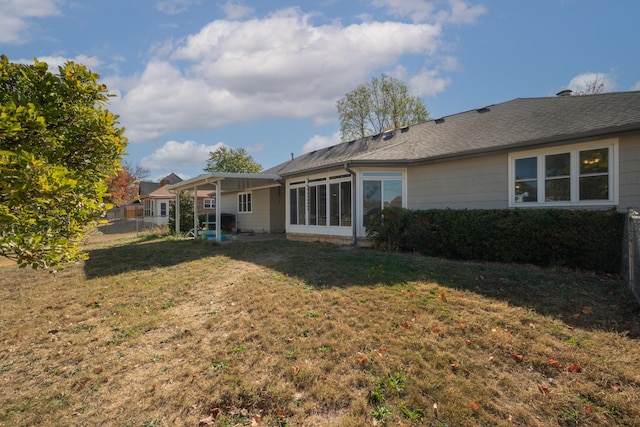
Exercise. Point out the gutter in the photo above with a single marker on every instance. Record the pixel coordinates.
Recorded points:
(354, 237)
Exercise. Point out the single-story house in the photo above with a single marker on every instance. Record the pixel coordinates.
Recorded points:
(576, 152)
(156, 204)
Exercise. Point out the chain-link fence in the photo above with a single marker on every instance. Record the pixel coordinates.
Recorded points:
(633, 272)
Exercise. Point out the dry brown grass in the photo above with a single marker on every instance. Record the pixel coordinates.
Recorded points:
(161, 332)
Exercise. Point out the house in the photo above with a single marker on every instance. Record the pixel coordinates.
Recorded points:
(576, 152)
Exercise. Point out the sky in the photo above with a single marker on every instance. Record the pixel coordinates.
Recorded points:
(193, 75)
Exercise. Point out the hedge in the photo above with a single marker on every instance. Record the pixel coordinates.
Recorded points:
(584, 239)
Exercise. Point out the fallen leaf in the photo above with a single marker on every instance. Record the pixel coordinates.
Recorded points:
(362, 360)
(616, 388)
(406, 325)
(295, 370)
(383, 349)
(462, 325)
(543, 389)
(443, 296)
(454, 367)
(518, 357)
(575, 368)
(413, 319)
(555, 363)
(474, 406)
(469, 341)
(589, 407)
(435, 329)
(576, 316)
(587, 310)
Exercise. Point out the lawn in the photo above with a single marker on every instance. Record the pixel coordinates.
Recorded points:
(156, 331)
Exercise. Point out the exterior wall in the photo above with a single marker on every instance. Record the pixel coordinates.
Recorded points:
(476, 183)
(629, 172)
(277, 210)
(258, 220)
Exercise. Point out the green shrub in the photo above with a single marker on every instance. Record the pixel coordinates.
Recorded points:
(584, 239)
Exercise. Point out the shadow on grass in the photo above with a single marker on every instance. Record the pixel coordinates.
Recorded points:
(560, 293)
(144, 254)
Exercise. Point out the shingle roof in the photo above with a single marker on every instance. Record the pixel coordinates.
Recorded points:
(520, 123)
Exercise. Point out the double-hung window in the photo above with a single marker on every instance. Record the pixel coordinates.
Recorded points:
(209, 203)
(244, 203)
(582, 175)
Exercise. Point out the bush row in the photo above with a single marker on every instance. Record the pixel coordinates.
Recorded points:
(584, 239)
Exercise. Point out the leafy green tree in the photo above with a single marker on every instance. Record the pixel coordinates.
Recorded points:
(377, 106)
(186, 213)
(58, 145)
(229, 160)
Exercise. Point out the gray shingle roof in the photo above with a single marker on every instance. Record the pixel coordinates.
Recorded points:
(520, 123)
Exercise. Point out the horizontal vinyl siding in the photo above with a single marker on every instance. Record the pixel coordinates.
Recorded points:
(629, 172)
(258, 219)
(277, 210)
(477, 183)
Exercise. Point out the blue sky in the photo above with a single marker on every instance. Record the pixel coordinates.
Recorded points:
(265, 76)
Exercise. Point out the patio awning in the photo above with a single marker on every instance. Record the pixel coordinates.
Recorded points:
(220, 182)
(229, 182)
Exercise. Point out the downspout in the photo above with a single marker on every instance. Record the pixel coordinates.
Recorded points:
(354, 229)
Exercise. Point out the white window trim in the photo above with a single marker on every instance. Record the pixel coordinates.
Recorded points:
(574, 149)
(212, 203)
(238, 202)
(375, 175)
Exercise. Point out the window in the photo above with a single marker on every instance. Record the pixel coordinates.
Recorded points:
(244, 203)
(148, 208)
(209, 203)
(163, 208)
(582, 175)
(321, 202)
(379, 191)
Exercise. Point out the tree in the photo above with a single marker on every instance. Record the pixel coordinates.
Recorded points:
(229, 160)
(122, 187)
(57, 147)
(592, 87)
(376, 106)
(186, 213)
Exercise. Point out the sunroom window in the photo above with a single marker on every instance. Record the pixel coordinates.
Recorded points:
(380, 190)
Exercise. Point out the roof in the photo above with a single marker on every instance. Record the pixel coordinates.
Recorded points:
(520, 123)
(148, 187)
(229, 182)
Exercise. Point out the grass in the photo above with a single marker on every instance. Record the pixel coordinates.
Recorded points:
(165, 332)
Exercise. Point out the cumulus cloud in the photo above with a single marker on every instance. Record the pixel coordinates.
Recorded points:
(174, 154)
(16, 17)
(580, 82)
(317, 142)
(280, 66)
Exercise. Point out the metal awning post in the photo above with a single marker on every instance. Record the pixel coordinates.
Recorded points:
(218, 234)
(195, 211)
(177, 212)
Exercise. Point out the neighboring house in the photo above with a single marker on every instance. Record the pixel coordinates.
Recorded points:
(560, 152)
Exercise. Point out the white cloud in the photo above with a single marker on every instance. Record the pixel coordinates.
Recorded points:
(255, 148)
(174, 154)
(579, 83)
(16, 16)
(317, 142)
(636, 86)
(235, 10)
(278, 66)
(422, 11)
(174, 7)
(428, 83)
(91, 62)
